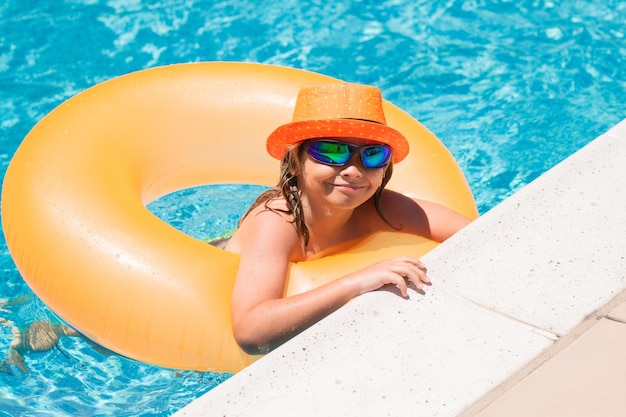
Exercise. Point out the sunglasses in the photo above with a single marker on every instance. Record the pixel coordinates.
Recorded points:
(330, 152)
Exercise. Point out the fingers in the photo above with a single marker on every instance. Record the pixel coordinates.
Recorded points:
(402, 286)
(398, 272)
(411, 270)
(414, 270)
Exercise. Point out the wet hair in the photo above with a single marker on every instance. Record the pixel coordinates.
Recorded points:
(287, 188)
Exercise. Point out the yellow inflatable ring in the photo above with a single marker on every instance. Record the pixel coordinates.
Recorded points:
(74, 197)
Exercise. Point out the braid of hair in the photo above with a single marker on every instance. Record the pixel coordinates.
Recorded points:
(291, 193)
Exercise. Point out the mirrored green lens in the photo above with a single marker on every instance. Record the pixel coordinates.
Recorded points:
(331, 153)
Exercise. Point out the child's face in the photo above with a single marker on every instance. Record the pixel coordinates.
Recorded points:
(342, 187)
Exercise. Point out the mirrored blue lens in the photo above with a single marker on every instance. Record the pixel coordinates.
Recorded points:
(376, 156)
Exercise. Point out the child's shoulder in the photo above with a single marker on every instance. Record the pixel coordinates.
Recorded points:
(272, 209)
(269, 224)
(271, 215)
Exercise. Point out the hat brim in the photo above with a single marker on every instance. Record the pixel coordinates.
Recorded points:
(295, 132)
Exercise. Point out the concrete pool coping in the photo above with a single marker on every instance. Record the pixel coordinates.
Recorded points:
(525, 317)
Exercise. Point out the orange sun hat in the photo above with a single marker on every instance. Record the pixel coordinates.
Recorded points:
(337, 110)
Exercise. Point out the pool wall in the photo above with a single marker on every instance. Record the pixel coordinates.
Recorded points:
(510, 293)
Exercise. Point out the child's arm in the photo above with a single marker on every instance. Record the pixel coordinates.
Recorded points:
(262, 318)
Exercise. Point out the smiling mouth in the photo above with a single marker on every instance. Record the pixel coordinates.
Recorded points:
(349, 186)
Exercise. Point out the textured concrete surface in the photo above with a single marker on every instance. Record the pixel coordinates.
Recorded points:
(532, 288)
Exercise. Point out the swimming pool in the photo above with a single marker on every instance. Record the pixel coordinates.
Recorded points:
(510, 87)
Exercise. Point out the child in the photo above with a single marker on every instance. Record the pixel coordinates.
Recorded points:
(336, 156)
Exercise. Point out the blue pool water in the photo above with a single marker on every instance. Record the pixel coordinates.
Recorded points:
(511, 87)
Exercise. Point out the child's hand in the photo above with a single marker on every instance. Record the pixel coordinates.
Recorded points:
(398, 272)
